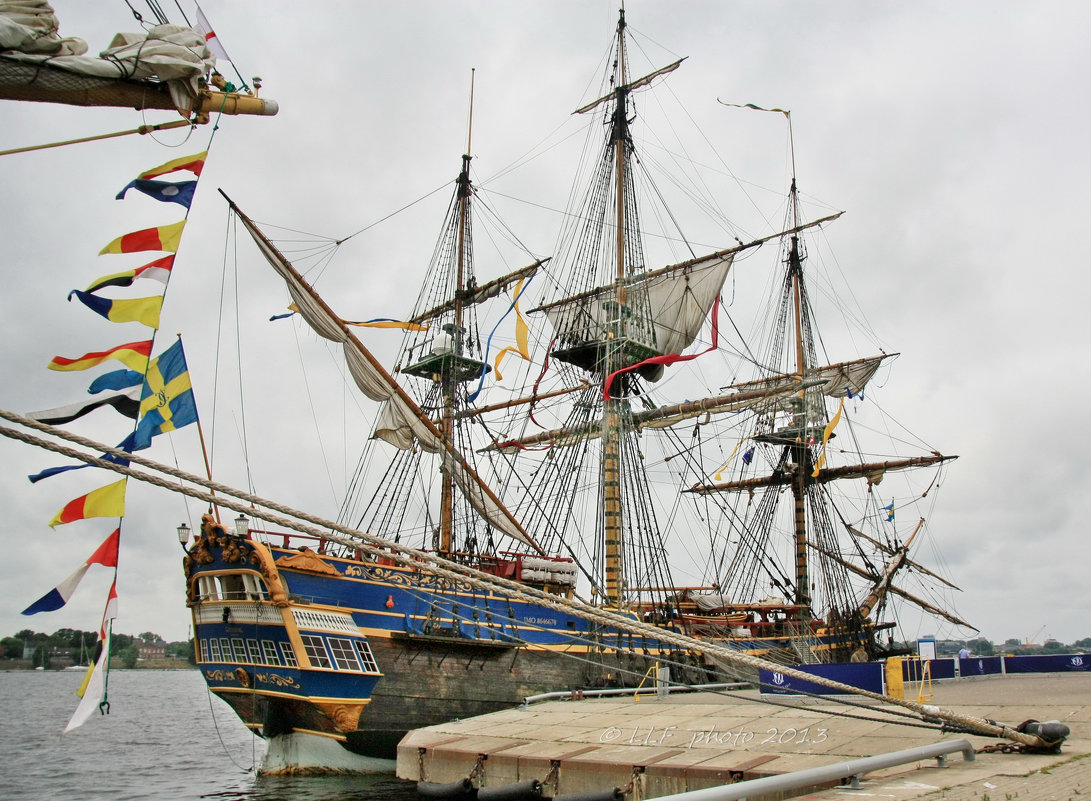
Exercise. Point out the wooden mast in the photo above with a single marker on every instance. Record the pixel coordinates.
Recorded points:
(450, 384)
(800, 449)
(613, 408)
(498, 515)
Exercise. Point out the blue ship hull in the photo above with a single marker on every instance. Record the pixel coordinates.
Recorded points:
(299, 642)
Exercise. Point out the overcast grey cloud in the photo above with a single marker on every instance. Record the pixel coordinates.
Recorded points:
(952, 133)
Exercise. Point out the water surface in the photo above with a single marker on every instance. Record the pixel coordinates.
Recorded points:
(165, 738)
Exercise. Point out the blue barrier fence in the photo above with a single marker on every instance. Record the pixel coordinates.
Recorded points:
(870, 676)
(863, 675)
(1047, 663)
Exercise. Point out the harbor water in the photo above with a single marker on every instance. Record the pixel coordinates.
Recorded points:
(165, 738)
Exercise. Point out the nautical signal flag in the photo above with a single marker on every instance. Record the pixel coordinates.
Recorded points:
(135, 310)
(164, 237)
(158, 270)
(92, 692)
(180, 193)
(211, 39)
(125, 445)
(127, 402)
(194, 164)
(133, 355)
(108, 501)
(118, 379)
(167, 401)
(889, 511)
(105, 554)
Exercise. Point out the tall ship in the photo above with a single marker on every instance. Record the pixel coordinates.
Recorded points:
(333, 642)
(639, 485)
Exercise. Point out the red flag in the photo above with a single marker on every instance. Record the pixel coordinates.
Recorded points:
(669, 358)
(108, 501)
(133, 355)
(194, 164)
(164, 237)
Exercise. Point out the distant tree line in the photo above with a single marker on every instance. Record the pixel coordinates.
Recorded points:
(79, 647)
(1011, 646)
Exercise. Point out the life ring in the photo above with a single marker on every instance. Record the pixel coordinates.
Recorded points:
(243, 677)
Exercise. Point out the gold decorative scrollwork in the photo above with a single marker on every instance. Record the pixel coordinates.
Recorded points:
(233, 552)
(346, 717)
(307, 560)
(399, 578)
(201, 554)
(277, 680)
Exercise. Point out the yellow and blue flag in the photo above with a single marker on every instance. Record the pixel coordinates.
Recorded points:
(165, 191)
(116, 310)
(167, 401)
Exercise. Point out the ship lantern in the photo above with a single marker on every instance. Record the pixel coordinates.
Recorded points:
(449, 340)
(390, 602)
(242, 526)
(183, 534)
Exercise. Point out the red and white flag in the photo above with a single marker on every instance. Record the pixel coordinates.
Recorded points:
(211, 39)
(93, 690)
(105, 554)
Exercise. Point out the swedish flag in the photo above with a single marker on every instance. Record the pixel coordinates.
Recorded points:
(167, 401)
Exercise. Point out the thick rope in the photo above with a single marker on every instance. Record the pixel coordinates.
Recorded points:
(421, 560)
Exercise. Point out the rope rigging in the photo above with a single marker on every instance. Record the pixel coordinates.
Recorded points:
(371, 545)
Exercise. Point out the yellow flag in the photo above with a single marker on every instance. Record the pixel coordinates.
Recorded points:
(108, 501)
(830, 426)
(522, 336)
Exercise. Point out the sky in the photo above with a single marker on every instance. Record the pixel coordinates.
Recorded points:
(952, 134)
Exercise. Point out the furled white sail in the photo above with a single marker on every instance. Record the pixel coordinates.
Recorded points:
(848, 377)
(172, 53)
(678, 302)
(401, 421)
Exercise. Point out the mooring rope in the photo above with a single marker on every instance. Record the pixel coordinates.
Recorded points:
(422, 560)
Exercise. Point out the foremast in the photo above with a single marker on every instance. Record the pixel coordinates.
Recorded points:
(448, 357)
(402, 422)
(448, 378)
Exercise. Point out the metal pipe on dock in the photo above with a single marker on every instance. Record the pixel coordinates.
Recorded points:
(559, 695)
(851, 770)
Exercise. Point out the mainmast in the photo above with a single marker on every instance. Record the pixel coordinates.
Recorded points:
(614, 317)
(614, 408)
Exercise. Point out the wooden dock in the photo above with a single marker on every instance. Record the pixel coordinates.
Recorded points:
(649, 747)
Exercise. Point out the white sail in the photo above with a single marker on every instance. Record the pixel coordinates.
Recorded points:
(679, 301)
(401, 421)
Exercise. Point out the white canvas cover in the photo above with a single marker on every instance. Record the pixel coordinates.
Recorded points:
(171, 53)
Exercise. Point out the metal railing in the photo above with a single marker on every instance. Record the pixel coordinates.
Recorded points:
(680, 688)
(851, 771)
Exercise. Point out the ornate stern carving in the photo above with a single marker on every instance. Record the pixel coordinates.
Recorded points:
(308, 561)
(346, 717)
